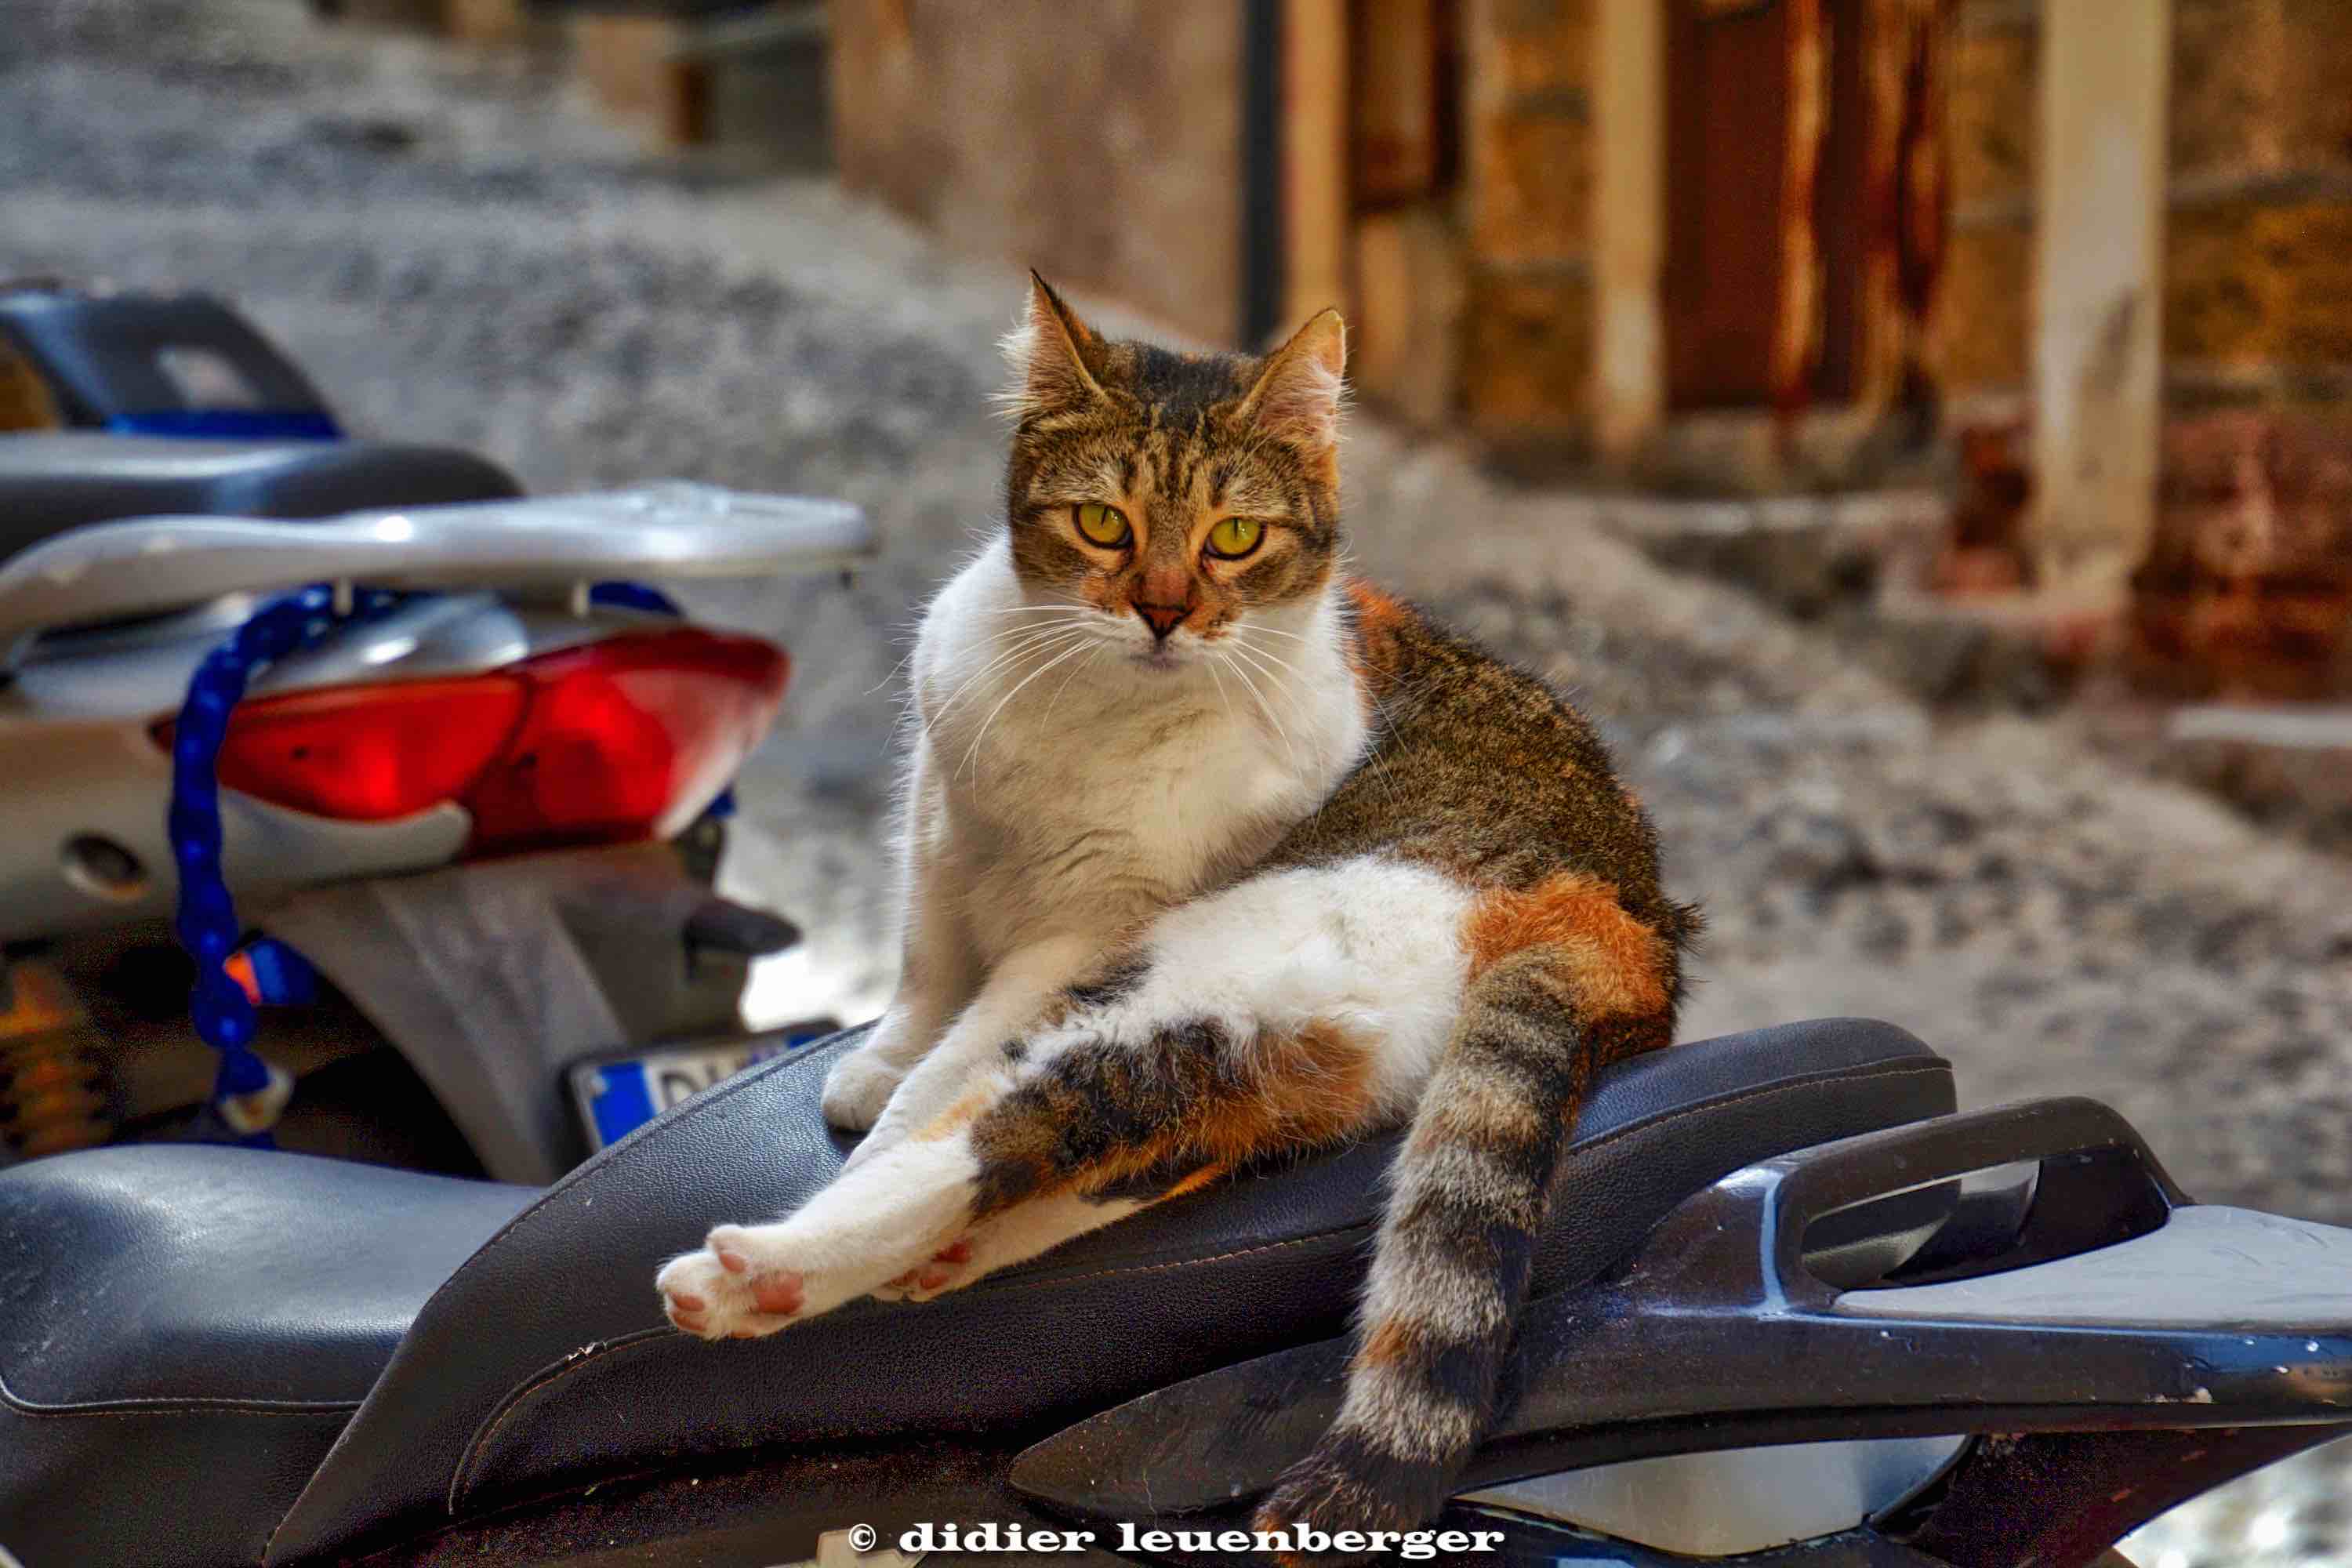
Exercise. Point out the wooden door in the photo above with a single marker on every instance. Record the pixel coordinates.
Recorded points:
(1746, 80)
(1727, 158)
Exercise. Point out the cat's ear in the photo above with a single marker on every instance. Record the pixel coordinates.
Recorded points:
(1298, 395)
(1047, 352)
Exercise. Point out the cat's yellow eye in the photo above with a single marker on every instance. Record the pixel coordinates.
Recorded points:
(1103, 525)
(1235, 536)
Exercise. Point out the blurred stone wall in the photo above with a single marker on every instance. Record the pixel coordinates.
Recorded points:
(1104, 145)
(1986, 313)
(1099, 144)
(1528, 190)
(2248, 587)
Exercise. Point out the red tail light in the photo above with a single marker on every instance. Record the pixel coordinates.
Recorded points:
(368, 753)
(628, 738)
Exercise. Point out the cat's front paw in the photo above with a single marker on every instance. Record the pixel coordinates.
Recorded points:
(732, 1289)
(857, 1089)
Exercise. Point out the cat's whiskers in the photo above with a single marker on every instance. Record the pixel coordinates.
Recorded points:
(1379, 762)
(1273, 718)
(894, 673)
(1222, 695)
(1021, 643)
(1379, 765)
(1027, 640)
(1297, 714)
(1083, 665)
(1302, 710)
(973, 750)
(1050, 648)
(1254, 626)
(1242, 635)
(1296, 689)
(1273, 667)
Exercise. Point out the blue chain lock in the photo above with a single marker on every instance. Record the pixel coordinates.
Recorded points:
(247, 1091)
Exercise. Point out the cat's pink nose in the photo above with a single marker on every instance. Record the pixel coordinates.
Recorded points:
(1162, 618)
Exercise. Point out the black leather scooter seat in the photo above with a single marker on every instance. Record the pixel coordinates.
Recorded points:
(183, 1330)
(50, 483)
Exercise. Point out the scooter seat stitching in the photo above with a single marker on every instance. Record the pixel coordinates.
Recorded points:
(175, 1405)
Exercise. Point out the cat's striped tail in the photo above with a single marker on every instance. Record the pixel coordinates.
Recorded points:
(1468, 1198)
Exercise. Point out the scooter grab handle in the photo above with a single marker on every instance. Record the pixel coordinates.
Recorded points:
(1718, 1332)
(2099, 1182)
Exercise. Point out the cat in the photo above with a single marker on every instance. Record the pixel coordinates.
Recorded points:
(1213, 853)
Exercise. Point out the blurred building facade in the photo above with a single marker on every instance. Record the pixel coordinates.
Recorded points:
(2094, 254)
(2225, 502)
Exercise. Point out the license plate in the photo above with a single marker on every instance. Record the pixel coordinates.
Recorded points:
(618, 1095)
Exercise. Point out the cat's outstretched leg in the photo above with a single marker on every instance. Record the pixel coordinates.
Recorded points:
(1028, 1230)
(869, 1227)
(1100, 1127)
(1202, 1052)
(908, 1191)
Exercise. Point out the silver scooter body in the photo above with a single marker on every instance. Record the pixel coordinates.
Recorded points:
(491, 977)
(109, 622)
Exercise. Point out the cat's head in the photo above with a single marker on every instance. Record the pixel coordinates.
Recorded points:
(1178, 495)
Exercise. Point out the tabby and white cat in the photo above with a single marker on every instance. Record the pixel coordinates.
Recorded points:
(1213, 855)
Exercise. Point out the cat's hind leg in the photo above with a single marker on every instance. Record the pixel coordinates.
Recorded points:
(1100, 1128)
(906, 1191)
(866, 1228)
(1293, 1010)
(1030, 1230)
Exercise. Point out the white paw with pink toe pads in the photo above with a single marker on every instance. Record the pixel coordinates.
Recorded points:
(872, 1226)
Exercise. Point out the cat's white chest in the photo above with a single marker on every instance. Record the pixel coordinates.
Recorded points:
(1102, 811)
(1183, 792)
(1091, 793)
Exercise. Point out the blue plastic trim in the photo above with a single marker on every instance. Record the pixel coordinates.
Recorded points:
(229, 424)
(283, 977)
(623, 1101)
(634, 596)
